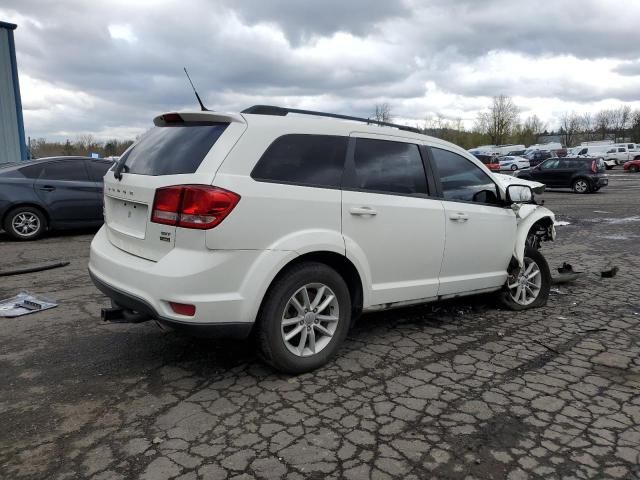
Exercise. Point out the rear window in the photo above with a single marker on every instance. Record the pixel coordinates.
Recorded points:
(172, 149)
(299, 159)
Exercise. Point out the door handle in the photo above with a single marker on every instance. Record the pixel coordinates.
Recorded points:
(459, 217)
(47, 188)
(362, 211)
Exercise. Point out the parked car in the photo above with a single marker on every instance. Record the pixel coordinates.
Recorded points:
(633, 165)
(291, 225)
(536, 157)
(51, 194)
(583, 175)
(513, 163)
(490, 161)
(516, 153)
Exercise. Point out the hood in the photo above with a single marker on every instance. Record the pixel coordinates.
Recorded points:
(506, 180)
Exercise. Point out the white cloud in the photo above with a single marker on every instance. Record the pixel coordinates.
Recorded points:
(106, 69)
(122, 32)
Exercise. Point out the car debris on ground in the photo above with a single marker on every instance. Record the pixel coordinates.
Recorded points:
(24, 303)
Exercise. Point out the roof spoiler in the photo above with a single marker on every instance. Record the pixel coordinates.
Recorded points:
(202, 118)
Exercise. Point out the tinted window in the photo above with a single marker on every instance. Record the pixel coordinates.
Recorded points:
(621, 150)
(315, 160)
(172, 150)
(97, 169)
(66, 170)
(551, 164)
(462, 180)
(32, 171)
(384, 166)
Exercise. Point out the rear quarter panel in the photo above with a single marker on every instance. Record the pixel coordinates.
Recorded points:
(15, 192)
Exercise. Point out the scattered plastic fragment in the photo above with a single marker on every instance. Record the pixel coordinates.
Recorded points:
(561, 223)
(557, 291)
(609, 273)
(24, 303)
(157, 440)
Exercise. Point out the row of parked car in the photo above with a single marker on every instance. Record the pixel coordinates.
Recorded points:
(581, 168)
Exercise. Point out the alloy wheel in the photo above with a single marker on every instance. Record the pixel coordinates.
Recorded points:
(25, 224)
(525, 287)
(580, 186)
(310, 319)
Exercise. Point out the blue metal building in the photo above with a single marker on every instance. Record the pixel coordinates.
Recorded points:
(12, 139)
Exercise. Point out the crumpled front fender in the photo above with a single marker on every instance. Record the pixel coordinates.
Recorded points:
(528, 215)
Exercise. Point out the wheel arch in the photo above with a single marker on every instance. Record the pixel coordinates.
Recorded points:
(340, 263)
(540, 222)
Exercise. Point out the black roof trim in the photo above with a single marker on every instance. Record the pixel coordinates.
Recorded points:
(283, 111)
(8, 26)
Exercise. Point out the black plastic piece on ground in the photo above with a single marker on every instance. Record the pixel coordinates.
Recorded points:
(38, 268)
(609, 273)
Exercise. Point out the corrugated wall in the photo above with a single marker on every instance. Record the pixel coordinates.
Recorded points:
(9, 122)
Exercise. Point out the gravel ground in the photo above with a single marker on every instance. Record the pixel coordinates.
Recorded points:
(454, 390)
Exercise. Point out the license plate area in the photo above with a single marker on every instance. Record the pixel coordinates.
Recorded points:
(127, 217)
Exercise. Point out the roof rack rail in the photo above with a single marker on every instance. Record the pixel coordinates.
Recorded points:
(282, 111)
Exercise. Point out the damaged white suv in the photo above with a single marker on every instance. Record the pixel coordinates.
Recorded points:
(288, 224)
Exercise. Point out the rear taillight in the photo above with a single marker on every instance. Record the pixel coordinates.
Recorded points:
(192, 206)
(594, 168)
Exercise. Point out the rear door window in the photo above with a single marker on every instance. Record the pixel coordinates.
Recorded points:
(383, 166)
(63, 170)
(172, 150)
(300, 159)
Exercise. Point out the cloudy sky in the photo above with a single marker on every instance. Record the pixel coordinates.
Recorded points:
(107, 67)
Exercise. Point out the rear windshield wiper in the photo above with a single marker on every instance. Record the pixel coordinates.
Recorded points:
(120, 167)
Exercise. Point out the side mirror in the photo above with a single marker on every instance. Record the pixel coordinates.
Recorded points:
(519, 194)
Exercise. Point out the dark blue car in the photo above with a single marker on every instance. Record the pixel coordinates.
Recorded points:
(51, 194)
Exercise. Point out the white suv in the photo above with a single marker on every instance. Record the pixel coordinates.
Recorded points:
(288, 224)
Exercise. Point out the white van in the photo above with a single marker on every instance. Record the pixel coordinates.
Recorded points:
(609, 153)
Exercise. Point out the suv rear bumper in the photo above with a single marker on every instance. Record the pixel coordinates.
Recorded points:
(226, 286)
(237, 330)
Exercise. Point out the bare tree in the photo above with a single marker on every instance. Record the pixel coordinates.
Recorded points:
(529, 131)
(635, 126)
(383, 112)
(620, 118)
(586, 126)
(604, 122)
(570, 127)
(500, 120)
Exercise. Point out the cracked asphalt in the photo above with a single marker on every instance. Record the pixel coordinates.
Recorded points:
(458, 390)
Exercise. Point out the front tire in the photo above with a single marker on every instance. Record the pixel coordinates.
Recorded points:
(528, 287)
(514, 168)
(633, 168)
(25, 223)
(304, 318)
(580, 186)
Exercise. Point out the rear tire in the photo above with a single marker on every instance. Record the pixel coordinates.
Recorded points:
(25, 223)
(580, 186)
(633, 168)
(292, 336)
(536, 283)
